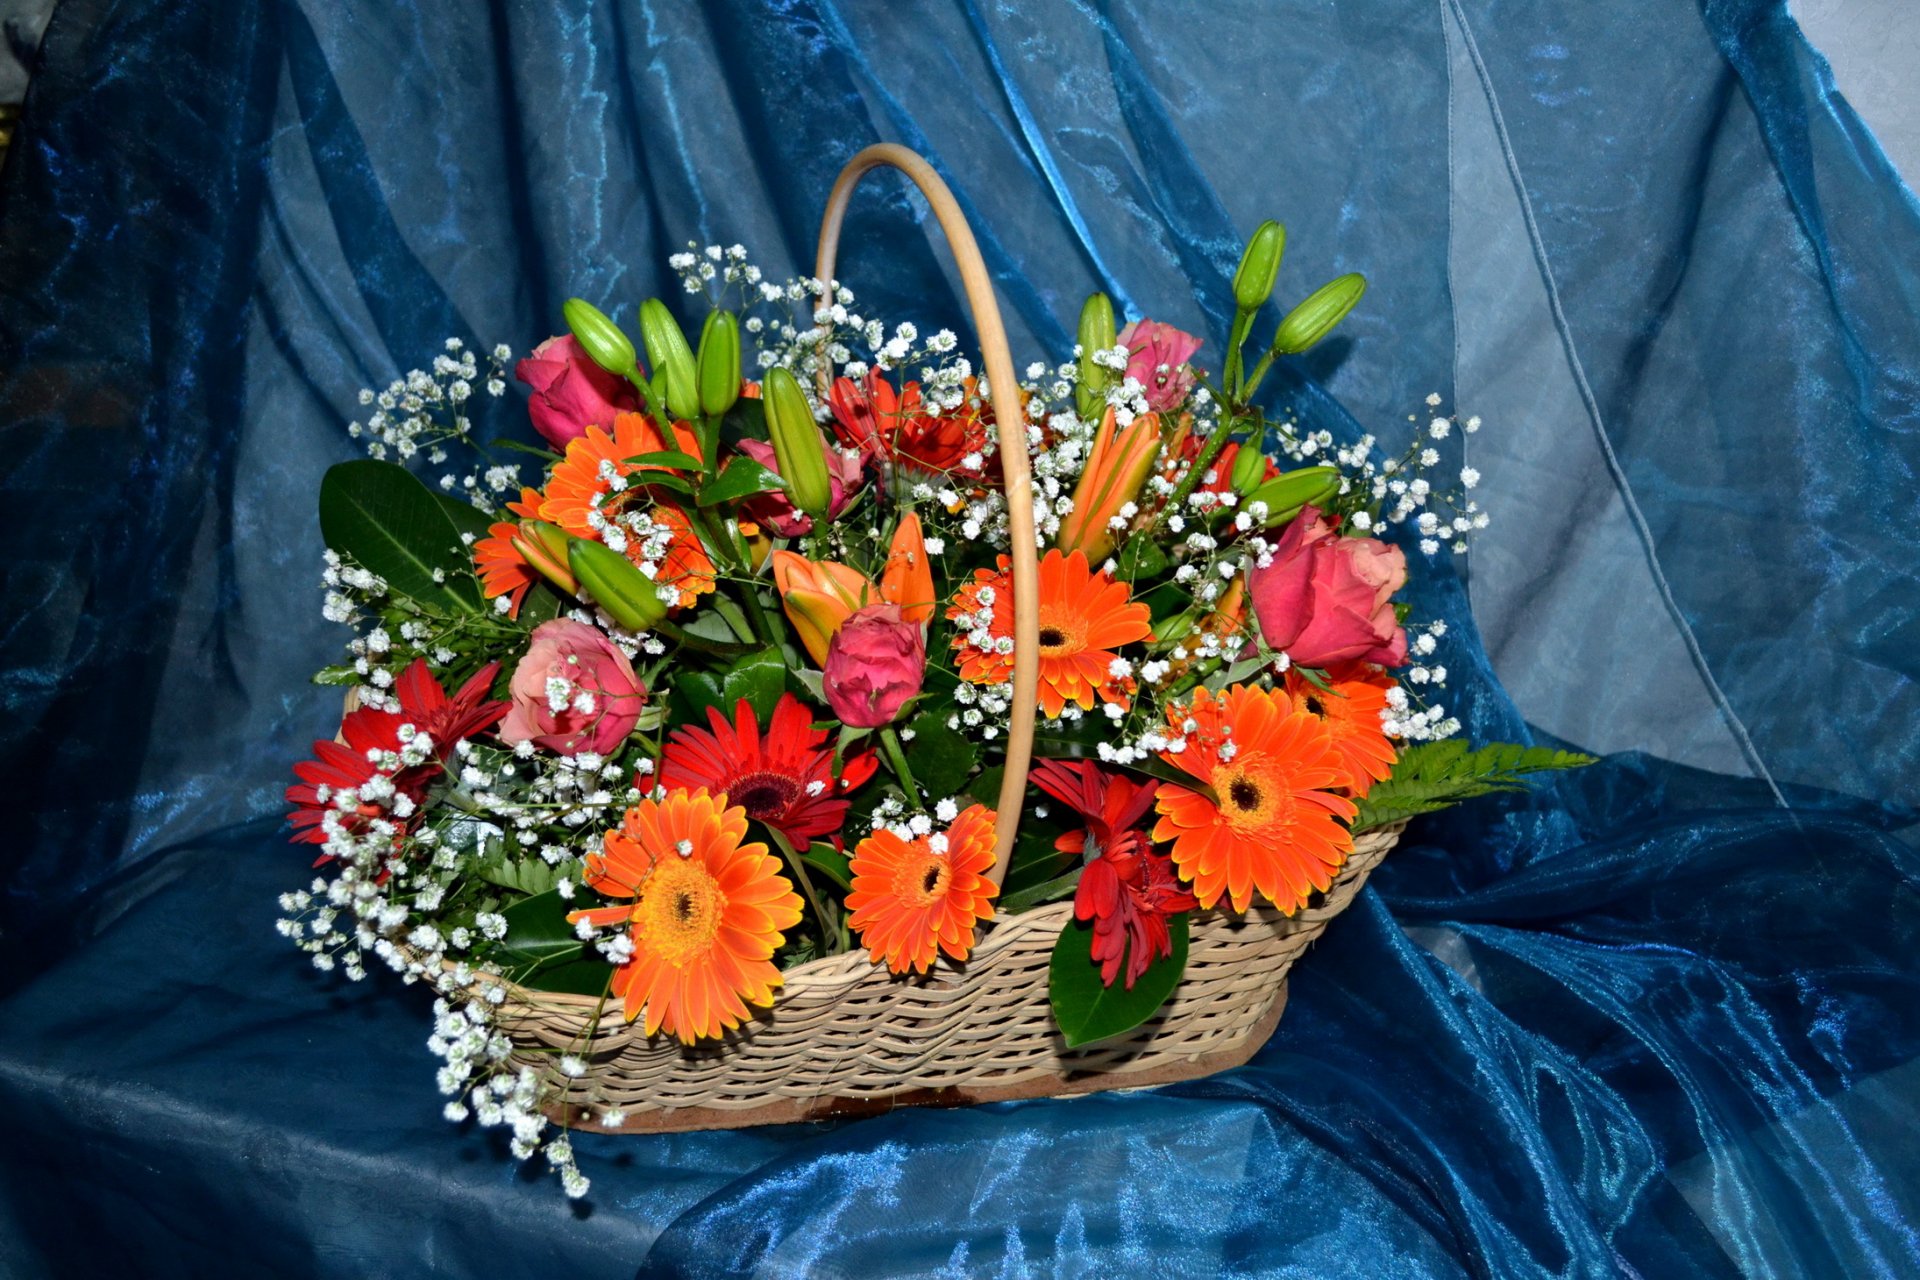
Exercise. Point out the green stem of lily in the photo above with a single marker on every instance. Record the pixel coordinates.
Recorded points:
(1211, 450)
(898, 759)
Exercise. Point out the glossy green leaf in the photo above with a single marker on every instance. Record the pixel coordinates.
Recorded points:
(382, 517)
(941, 758)
(740, 478)
(1012, 904)
(466, 517)
(586, 976)
(531, 876)
(663, 458)
(1141, 558)
(760, 678)
(537, 930)
(830, 862)
(1085, 1009)
(691, 693)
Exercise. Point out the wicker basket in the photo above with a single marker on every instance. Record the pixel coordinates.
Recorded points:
(845, 1037)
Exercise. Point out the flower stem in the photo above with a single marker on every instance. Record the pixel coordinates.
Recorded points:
(898, 759)
(1208, 452)
(828, 934)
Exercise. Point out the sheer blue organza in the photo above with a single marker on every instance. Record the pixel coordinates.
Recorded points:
(1658, 1019)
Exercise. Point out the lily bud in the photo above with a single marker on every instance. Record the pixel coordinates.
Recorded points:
(1286, 494)
(672, 358)
(1314, 319)
(629, 596)
(1249, 466)
(544, 546)
(819, 596)
(719, 363)
(600, 337)
(1096, 334)
(1259, 266)
(907, 580)
(1118, 464)
(797, 445)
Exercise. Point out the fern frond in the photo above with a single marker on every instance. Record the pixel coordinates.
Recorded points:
(1436, 775)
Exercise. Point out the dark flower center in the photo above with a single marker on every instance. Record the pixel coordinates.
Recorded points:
(1244, 794)
(683, 906)
(1052, 637)
(764, 795)
(1315, 705)
(932, 879)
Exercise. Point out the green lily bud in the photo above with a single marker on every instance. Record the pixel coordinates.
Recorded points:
(544, 546)
(1096, 334)
(719, 363)
(797, 445)
(602, 339)
(1259, 266)
(1314, 319)
(1169, 630)
(628, 595)
(1249, 466)
(668, 350)
(1286, 494)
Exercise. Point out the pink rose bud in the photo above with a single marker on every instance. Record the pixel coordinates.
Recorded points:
(1157, 356)
(1325, 599)
(875, 663)
(571, 392)
(776, 510)
(573, 692)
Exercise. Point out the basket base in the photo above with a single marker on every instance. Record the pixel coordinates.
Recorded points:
(804, 1110)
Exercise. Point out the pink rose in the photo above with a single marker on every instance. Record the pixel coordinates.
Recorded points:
(573, 692)
(844, 474)
(1157, 356)
(571, 392)
(1325, 599)
(875, 662)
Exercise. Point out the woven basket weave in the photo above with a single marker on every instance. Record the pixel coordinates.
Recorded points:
(845, 1037)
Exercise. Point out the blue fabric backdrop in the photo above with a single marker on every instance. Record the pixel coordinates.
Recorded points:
(1660, 1019)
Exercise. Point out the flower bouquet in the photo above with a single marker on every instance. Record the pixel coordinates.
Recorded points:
(874, 729)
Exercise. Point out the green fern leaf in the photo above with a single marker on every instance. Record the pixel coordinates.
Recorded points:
(1437, 775)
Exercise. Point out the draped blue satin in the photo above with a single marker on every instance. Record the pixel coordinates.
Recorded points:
(1656, 1019)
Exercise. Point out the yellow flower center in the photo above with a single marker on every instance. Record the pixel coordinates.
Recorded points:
(923, 879)
(680, 912)
(1251, 797)
(1061, 634)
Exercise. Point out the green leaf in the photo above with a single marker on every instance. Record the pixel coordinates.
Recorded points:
(741, 478)
(747, 420)
(582, 977)
(830, 862)
(519, 446)
(760, 678)
(673, 458)
(530, 876)
(1087, 1010)
(692, 693)
(541, 604)
(1053, 890)
(537, 930)
(1141, 558)
(382, 517)
(1436, 775)
(1076, 740)
(466, 517)
(941, 758)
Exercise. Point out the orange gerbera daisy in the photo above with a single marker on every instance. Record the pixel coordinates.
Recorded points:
(708, 912)
(914, 898)
(1351, 708)
(1084, 616)
(1275, 826)
(504, 568)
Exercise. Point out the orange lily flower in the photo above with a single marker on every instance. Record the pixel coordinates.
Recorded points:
(819, 595)
(1117, 465)
(908, 578)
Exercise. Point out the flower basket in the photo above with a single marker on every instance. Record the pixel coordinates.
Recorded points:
(848, 1039)
(610, 777)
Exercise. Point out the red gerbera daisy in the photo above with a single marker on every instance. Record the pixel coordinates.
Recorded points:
(370, 746)
(1127, 889)
(784, 779)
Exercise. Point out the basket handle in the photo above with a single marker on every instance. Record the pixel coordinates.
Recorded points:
(1016, 476)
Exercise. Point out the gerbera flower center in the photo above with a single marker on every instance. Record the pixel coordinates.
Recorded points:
(1316, 706)
(681, 910)
(1249, 795)
(925, 880)
(1060, 635)
(764, 795)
